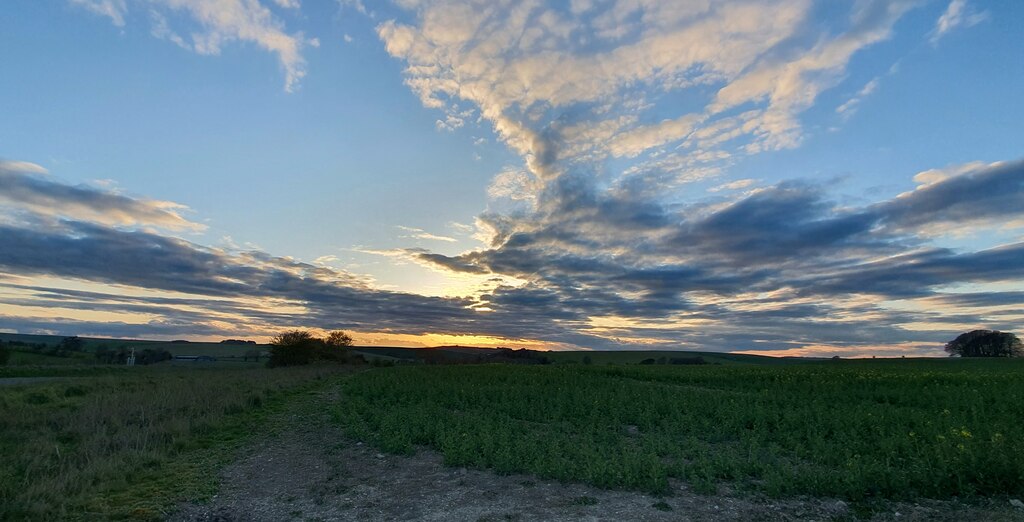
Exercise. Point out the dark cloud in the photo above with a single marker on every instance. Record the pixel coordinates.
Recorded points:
(918, 274)
(993, 192)
(22, 186)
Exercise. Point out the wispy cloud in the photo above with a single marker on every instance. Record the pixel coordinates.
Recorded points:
(215, 23)
(957, 14)
(419, 233)
(849, 107)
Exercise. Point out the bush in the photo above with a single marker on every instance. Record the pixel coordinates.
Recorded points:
(5, 355)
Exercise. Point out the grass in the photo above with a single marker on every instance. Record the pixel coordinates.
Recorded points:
(129, 444)
(63, 370)
(28, 358)
(857, 430)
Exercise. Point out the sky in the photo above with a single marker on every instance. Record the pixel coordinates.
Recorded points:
(784, 177)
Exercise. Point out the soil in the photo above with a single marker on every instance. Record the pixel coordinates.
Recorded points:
(310, 471)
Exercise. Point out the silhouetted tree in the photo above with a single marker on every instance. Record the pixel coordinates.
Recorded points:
(299, 347)
(293, 348)
(333, 348)
(5, 354)
(71, 344)
(338, 339)
(986, 343)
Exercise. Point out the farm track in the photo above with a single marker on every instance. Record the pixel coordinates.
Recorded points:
(310, 471)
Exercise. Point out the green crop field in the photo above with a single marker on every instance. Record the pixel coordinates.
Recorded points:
(858, 430)
(635, 357)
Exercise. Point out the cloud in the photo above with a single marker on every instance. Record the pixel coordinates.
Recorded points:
(25, 187)
(575, 90)
(597, 220)
(849, 107)
(215, 23)
(958, 13)
(787, 240)
(419, 233)
(734, 185)
(113, 9)
(958, 196)
(526, 65)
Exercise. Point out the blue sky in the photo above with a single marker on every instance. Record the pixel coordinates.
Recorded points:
(597, 174)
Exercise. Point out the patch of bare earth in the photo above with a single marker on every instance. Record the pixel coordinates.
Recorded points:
(313, 473)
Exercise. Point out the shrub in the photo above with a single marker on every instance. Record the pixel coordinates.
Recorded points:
(5, 355)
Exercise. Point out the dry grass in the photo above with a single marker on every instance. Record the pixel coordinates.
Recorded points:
(129, 444)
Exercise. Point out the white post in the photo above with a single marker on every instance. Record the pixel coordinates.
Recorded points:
(131, 358)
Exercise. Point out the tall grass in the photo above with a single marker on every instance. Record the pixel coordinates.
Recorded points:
(894, 430)
(128, 444)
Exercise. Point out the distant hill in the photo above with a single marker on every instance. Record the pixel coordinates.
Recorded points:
(439, 354)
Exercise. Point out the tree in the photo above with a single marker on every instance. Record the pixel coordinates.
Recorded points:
(71, 344)
(986, 343)
(5, 354)
(334, 347)
(338, 339)
(293, 348)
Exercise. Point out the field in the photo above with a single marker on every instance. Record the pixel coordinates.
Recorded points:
(856, 430)
(83, 440)
(116, 443)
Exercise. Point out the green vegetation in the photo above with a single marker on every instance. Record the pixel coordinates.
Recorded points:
(662, 357)
(857, 430)
(113, 442)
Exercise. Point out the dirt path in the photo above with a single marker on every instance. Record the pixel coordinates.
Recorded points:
(314, 473)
